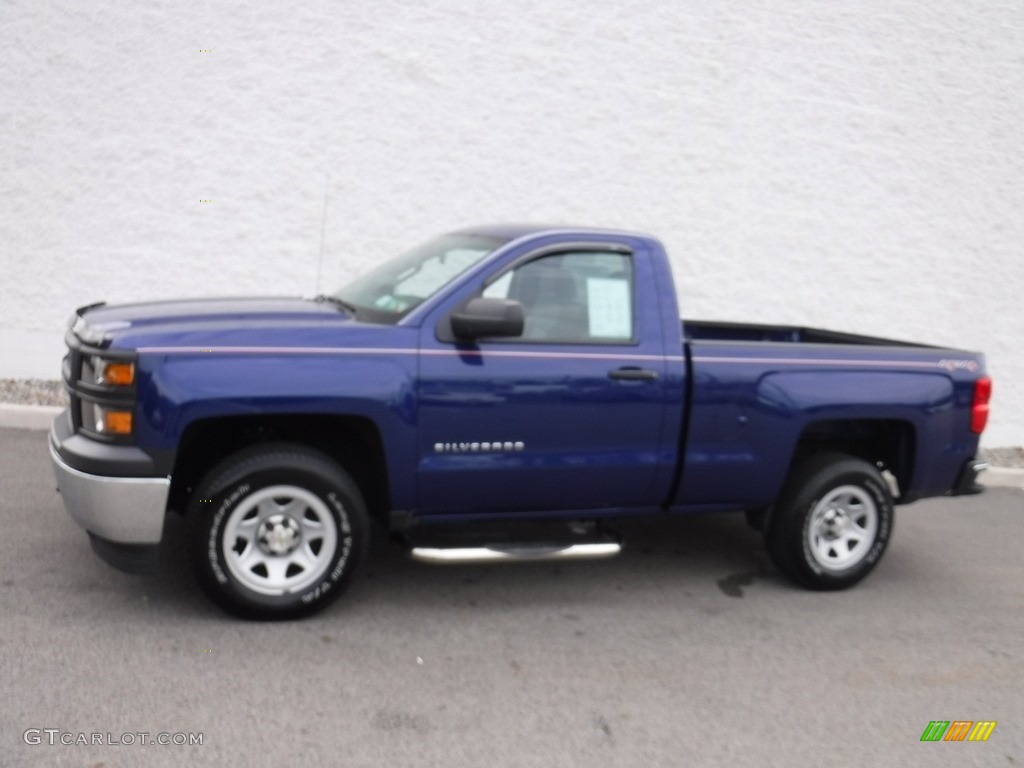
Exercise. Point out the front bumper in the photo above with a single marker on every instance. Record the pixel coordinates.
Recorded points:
(119, 510)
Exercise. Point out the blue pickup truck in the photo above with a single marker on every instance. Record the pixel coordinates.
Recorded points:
(498, 393)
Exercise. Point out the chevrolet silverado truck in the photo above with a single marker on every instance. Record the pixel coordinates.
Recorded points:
(499, 393)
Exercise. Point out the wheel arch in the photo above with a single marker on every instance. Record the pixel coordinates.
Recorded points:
(354, 442)
(889, 444)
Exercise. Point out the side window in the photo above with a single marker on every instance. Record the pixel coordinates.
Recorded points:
(575, 297)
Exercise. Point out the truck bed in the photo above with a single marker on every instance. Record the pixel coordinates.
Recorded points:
(712, 330)
(787, 382)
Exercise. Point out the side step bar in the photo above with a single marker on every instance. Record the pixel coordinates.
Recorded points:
(516, 552)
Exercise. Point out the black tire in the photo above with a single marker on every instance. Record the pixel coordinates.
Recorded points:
(832, 522)
(297, 517)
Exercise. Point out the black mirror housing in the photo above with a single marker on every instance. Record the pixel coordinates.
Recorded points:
(488, 317)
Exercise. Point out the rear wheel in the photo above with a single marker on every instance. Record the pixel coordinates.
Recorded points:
(831, 523)
(276, 532)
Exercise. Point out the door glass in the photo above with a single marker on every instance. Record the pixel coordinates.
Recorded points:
(577, 297)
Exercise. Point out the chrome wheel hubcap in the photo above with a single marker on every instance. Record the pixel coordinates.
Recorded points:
(280, 539)
(278, 535)
(842, 528)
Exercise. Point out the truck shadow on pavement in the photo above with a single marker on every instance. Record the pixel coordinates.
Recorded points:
(717, 557)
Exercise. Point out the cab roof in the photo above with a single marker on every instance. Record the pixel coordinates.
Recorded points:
(514, 231)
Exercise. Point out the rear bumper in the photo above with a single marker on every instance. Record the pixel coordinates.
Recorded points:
(119, 510)
(967, 484)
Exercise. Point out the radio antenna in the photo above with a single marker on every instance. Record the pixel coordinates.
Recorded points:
(323, 231)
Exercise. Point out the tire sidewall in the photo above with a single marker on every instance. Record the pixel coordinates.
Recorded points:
(874, 485)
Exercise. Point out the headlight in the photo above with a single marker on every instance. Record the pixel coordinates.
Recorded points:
(107, 421)
(111, 416)
(101, 382)
(113, 373)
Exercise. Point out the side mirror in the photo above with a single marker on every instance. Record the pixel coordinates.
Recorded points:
(488, 317)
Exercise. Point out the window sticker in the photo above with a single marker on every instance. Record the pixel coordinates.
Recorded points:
(608, 308)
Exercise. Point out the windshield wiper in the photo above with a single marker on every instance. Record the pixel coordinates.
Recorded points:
(352, 309)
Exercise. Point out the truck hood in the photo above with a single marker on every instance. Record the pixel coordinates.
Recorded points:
(205, 321)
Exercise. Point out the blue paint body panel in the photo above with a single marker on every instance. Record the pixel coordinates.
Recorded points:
(554, 434)
(746, 417)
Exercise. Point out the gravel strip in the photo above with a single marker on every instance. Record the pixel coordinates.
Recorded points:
(33, 392)
(1011, 458)
(51, 392)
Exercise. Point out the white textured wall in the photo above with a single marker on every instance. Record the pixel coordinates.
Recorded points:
(856, 165)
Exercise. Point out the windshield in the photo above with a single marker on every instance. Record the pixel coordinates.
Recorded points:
(389, 292)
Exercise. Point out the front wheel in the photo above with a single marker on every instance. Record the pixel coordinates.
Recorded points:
(831, 523)
(276, 532)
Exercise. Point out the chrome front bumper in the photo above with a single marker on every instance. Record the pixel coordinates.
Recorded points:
(122, 510)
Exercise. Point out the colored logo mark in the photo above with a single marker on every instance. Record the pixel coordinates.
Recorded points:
(958, 730)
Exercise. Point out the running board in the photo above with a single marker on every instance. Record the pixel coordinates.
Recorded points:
(515, 552)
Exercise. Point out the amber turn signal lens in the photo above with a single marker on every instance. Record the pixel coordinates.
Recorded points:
(118, 374)
(118, 422)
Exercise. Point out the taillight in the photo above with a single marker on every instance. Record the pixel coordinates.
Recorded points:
(979, 407)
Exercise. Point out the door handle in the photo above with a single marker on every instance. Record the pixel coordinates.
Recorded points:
(633, 374)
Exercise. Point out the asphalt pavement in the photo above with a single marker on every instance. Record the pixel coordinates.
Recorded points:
(687, 650)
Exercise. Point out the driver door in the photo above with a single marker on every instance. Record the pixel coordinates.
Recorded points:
(566, 416)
